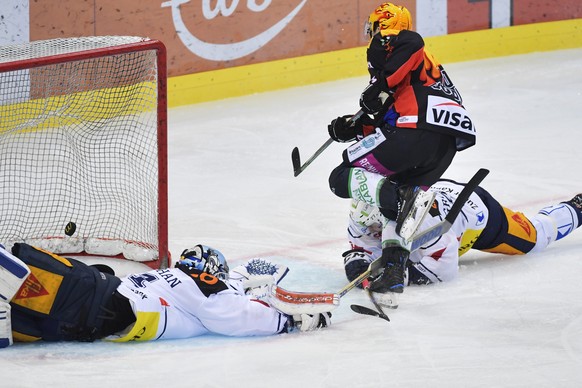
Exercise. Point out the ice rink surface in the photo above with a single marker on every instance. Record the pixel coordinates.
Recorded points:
(505, 322)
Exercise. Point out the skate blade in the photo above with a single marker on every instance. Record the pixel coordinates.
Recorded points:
(387, 300)
(422, 205)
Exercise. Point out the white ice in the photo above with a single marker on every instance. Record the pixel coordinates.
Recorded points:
(505, 322)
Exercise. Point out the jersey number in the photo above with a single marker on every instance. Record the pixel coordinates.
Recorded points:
(140, 279)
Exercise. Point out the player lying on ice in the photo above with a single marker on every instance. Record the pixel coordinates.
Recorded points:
(53, 298)
(483, 224)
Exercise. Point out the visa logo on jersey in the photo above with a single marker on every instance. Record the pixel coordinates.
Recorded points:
(448, 113)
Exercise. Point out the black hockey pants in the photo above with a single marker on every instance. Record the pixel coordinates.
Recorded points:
(411, 156)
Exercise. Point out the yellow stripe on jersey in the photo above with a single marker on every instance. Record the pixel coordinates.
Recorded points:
(468, 239)
(19, 337)
(145, 328)
(63, 260)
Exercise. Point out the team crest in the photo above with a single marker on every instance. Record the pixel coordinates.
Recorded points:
(31, 288)
(39, 291)
(522, 223)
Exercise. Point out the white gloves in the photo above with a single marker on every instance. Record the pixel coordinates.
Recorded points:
(257, 277)
(309, 322)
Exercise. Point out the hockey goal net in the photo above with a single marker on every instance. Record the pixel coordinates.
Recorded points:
(83, 166)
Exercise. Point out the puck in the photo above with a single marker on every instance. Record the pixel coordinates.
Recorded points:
(70, 228)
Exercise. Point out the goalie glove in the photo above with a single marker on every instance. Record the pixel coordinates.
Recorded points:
(309, 322)
(259, 287)
(257, 276)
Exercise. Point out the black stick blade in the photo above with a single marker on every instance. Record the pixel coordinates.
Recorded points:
(296, 159)
(368, 311)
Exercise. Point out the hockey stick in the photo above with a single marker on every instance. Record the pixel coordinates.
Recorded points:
(367, 311)
(379, 309)
(291, 302)
(327, 301)
(294, 302)
(296, 158)
(420, 238)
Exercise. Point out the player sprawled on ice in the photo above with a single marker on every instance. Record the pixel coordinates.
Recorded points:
(414, 123)
(53, 298)
(483, 224)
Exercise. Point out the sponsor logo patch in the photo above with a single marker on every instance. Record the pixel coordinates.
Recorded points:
(407, 119)
(365, 145)
(363, 192)
(448, 113)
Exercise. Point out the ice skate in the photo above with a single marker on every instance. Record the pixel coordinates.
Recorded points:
(391, 282)
(413, 207)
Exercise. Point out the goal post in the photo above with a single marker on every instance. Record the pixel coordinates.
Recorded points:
(83, 147)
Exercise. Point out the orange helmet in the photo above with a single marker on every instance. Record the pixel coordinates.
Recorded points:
(388, 17)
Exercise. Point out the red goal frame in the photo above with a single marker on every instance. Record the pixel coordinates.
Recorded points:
(163, 260)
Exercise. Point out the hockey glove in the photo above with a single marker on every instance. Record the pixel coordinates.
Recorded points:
(310, 322)
(356, 262)
(373, 97)
(342, 130)
(257, 277)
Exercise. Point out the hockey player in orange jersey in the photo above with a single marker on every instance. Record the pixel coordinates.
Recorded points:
(414, 123)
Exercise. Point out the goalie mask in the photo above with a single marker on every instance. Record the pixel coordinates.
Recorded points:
(206, 259)
(388, 17)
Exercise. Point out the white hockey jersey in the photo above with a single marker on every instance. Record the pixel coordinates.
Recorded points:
(439, 259)
(170, 304)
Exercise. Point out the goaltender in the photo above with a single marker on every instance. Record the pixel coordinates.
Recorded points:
(44, 296)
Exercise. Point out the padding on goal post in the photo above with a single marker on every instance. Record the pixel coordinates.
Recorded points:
(83, 148)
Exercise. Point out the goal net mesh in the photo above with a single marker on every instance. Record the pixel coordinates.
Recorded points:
(79, 144)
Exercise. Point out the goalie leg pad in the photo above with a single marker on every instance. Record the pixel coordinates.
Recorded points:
(13, 272)
(5, 326)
